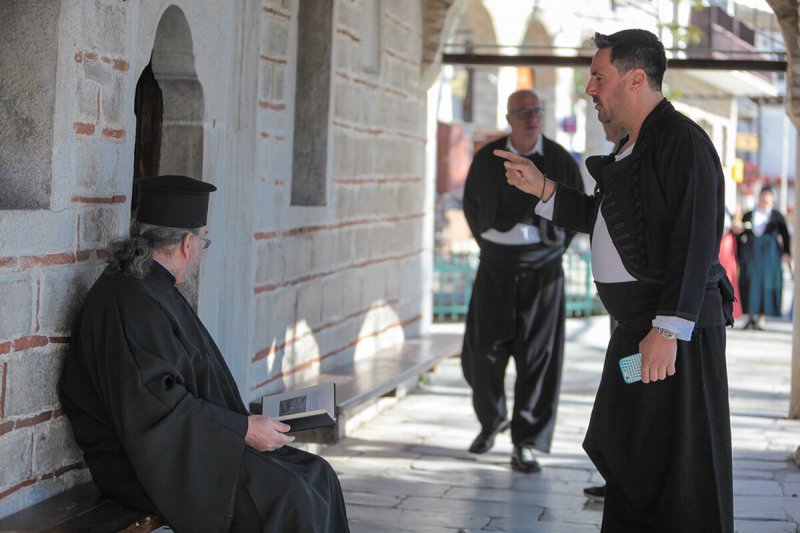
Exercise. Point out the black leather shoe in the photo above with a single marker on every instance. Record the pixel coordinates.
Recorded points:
(523, 459)
(595, 494)
(483, 443)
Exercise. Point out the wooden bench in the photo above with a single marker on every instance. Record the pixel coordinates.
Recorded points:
(83, 509)
(361, 385)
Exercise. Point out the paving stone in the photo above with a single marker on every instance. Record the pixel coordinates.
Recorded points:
(407, 470)
(519, 506)
(752, 526)
(754, 487)
(766, 508)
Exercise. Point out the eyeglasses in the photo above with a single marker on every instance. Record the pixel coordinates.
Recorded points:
(527, 112)
(206, 242)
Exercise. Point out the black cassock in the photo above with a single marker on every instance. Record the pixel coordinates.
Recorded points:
(162, 425)
(664, 448)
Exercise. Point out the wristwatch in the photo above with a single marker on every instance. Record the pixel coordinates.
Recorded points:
(667, 334)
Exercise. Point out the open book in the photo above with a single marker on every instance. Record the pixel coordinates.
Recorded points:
(307, 408)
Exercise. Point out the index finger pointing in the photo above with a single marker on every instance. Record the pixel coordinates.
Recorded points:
(511, 156)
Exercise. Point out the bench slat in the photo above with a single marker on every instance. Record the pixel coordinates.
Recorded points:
(81, 508)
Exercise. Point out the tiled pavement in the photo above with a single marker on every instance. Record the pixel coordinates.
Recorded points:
(407, 469)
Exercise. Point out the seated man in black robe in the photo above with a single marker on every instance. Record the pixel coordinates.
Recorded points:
(154, 406)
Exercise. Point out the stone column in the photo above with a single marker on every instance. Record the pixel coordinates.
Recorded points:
(787, 13)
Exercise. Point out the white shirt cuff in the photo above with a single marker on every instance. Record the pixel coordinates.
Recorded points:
(681, 326)
(545, 209)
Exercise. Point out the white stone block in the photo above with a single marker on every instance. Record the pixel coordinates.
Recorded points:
(298, 255)
(275, 37)
(16, 451)
(374, 286)
(352, 284)
(45, 232)
(61, 295)
(86, 101)
(92, 158)
(101, 225)
(309, 304)
(332, 299)
(323, 251)
(104, 26)
(271, 261)
(32, 378)
(16, 306)
(266, 73)
(113, 99)
(54, 446)
(345, 247)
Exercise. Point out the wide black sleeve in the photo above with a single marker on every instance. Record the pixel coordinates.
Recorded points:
(184, 449)
(692, 183)
(471, 200)
(573, 209)
(783, 230)
(570, 176)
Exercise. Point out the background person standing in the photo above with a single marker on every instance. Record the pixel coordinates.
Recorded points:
(517, 304)
(762, 244)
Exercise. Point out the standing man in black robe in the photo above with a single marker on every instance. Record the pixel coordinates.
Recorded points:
(663, 445)
(517, 305)
(154, 406)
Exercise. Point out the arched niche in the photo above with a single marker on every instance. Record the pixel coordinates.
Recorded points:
(542, 79)
(170, 109)
(174, 70)
(475, 32)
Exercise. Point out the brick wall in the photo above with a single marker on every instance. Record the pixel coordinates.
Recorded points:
(340, 281)
(49, 258)
(326, 284)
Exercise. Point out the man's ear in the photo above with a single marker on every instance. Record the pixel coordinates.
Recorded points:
(185, 246)
(638, 79)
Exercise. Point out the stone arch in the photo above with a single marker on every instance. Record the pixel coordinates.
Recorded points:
(475, 31)
(439, 17)
(179, 149)
(543, 78)
(174, 70)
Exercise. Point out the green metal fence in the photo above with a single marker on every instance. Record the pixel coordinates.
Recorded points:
(454, 274)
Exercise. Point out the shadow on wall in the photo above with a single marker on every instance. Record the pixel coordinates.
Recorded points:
(306, 351)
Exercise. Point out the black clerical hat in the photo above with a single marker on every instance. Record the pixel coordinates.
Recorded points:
(173, 201)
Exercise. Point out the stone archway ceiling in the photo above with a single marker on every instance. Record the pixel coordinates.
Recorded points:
(439, 16)
(787, 13)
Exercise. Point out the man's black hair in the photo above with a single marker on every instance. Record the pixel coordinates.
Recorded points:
(636, 49)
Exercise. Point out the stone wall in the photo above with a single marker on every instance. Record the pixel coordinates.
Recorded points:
(287, 290)
(339, 280)
(51, 252)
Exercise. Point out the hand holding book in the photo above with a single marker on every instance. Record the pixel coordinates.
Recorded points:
(302, 409)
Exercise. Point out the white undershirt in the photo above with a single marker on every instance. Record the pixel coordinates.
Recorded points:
(607, 266)
(520, 234)
(759, 221)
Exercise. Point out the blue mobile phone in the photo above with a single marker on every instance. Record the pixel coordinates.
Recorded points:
(631, 368)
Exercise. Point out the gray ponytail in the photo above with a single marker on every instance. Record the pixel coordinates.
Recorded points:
(133, 256)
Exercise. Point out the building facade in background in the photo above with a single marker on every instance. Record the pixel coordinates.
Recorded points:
(742, 111)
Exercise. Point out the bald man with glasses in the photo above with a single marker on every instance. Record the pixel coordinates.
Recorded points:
(517, 304)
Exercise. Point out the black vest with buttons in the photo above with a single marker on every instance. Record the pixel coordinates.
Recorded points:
(663, 206)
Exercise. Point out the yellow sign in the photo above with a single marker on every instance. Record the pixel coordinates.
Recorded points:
(738, 170)
(746, 141)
